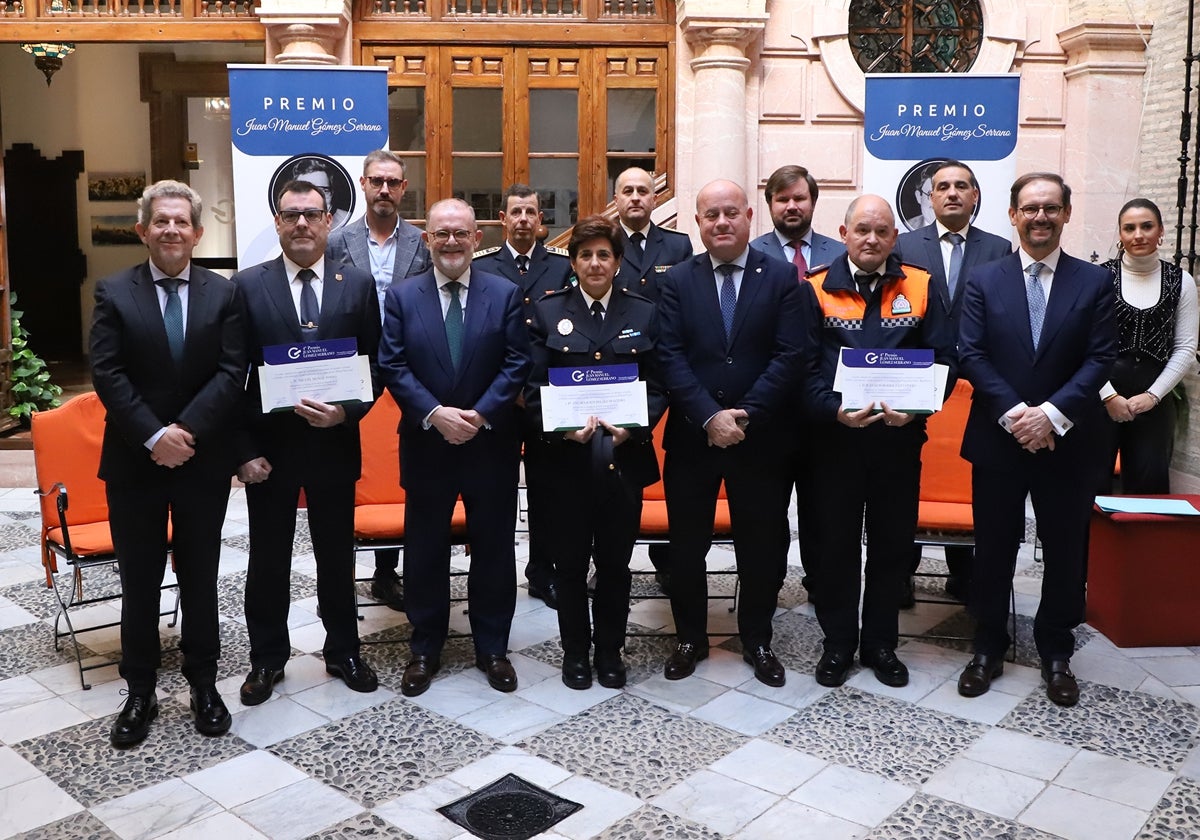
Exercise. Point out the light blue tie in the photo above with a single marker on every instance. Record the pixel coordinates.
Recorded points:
(173, 317)
(728, 296)
(1037, 302)
(956, 258)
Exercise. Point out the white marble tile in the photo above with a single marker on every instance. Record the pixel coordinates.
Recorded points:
(1156, 687)
(554, 695)
(274, 721)
(1108, 668)
(335, 700)
(301, 673)
(769, 766)
(983, 787)
(535, 628)
(920, 683)
(852, 794)
(727, 668)
(1171, 670)
(63, 679)
(602, 807)
(532, 769)
(14, 768)
(1113, 778)
(224, 825)
(1153, 652)
(511, 719)
(989, 708)
(13, 616)
(155, 810)
(1024, 754)
(677, 695)
(654, 614)
(743, 713)
(453, 696)
(1018, 680)
(309, 638)
(931, 659)
(246, 777)
(532, 670)
(103, 699)
(716, 801)
(298, 810)
(16, 692)
(1077, 816)
(38, 718)
(33, 802)
(801, 690)
(416, 812)
(799, 822)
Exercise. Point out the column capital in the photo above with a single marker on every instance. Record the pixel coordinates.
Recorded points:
(710, 23)
(306, 31)
(1105, 47)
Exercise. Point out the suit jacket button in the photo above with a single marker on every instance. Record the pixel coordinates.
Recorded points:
(565, 348)
(643, 281)
(634, 351)
(612, 466)
(526, 301)
(729, 360)
(720, 395)
(597, 356)
(528, 322)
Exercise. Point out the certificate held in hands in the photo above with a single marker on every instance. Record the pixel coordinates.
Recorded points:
(907, 380)
(329, 371)
(612, 393)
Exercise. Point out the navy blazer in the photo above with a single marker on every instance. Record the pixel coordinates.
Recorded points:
(348, 244)
(922, 248)
(142, 388)
(548, 271)
(639, 272)
(759, 367)
(349, 309)
(824, 249)
(1077, 347)
(414, 363)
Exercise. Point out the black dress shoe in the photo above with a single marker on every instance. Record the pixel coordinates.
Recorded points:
(389, 590)
(355, 673)
(547, 592)
(908, 598)
(257, 687)
(418, 674)
(133, 723)
(834, 667)
(1061, 687)
(610, 669)
(682, 662)
(977, 677)
(767, 669)
(576, 671)
(888, 669)
(500, 673)
(212, 718)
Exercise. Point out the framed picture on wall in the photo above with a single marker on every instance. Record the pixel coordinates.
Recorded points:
(114, 230)
(116, 186)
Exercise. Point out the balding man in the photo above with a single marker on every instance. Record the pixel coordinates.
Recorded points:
(733, 321)
(872, 456)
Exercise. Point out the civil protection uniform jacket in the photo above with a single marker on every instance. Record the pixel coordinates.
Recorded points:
(901, 315)
(349, 309)
(549, 270)
(564, 335)
(142, 388)
(662, 249)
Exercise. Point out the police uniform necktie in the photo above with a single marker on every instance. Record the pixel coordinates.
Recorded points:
(798, 258)
(309, 310)
(454, 323)
(1037, 302)
(173, 317)
(522, 264)
(728, 296)
(956, 258)
(639, 249)
(597, 313)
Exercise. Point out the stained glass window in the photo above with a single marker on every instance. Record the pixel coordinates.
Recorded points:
(915, 36)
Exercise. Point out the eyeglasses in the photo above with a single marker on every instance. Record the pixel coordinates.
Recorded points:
(392, 183)
(443, 236)
(312, 216)
(1030, 211)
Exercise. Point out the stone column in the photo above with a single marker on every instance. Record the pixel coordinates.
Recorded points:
(307, 31)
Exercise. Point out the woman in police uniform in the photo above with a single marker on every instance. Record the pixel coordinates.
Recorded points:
(595, 474)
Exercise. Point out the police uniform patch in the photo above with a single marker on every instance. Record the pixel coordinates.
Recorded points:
(565, 327)
(562, 252)
(659, 269)
(486, 251)
(901, 306)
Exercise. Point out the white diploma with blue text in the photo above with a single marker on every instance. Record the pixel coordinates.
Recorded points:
(907, 380)
(328, 371)
(612, 393)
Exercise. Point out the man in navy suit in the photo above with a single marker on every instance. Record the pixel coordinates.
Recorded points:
(649, 249)
(391, 249)
(948, 249)
(1037, 340)
(791, 194)
(536, 270)
(455, 355)
(168, 357)
(733, 326)
(296, 297)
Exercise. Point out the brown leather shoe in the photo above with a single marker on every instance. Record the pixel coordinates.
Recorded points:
(500, 673)
(682, 662)
(1061, 687)
(418, 674)
(767, 669)
(977, 677)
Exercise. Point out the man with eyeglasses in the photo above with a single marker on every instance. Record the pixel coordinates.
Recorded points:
(455, 355)
(301, 296)
(391, 249)
(1037, 339)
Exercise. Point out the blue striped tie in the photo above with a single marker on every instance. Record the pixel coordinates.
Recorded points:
(173, 317)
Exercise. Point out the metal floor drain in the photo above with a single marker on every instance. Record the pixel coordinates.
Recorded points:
(510, 808)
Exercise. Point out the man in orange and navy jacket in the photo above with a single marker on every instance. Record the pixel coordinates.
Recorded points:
(869, 457)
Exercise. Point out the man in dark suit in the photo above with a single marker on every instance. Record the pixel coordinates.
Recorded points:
(391, 249)
(948, 249)
(536, 270)
(303, 296)
(791, 193)
(168, 356)
(1037, 340)
(733, 326)
(455, 355)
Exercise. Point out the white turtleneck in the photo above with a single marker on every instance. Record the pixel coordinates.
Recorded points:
(1141, 286)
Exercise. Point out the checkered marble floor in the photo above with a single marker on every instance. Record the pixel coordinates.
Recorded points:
(715, 755)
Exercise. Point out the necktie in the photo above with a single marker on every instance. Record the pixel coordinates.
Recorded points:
(864, 282)
(728, 296)
(522, 263)
(309, 311)
(597, 313)
(454, 323)
(798, 258)
(1037, 302)
(956, 258)
(173, 317)
(638, 248)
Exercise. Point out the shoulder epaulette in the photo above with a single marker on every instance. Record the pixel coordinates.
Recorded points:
(562, 252)
(556, 292)
(674, 232)
(630, 293)
(487, 251)
(816, 269)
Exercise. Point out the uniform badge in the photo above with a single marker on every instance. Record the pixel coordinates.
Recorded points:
(901, 306)
(337, 277)
(659, 269)
(565, 327)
